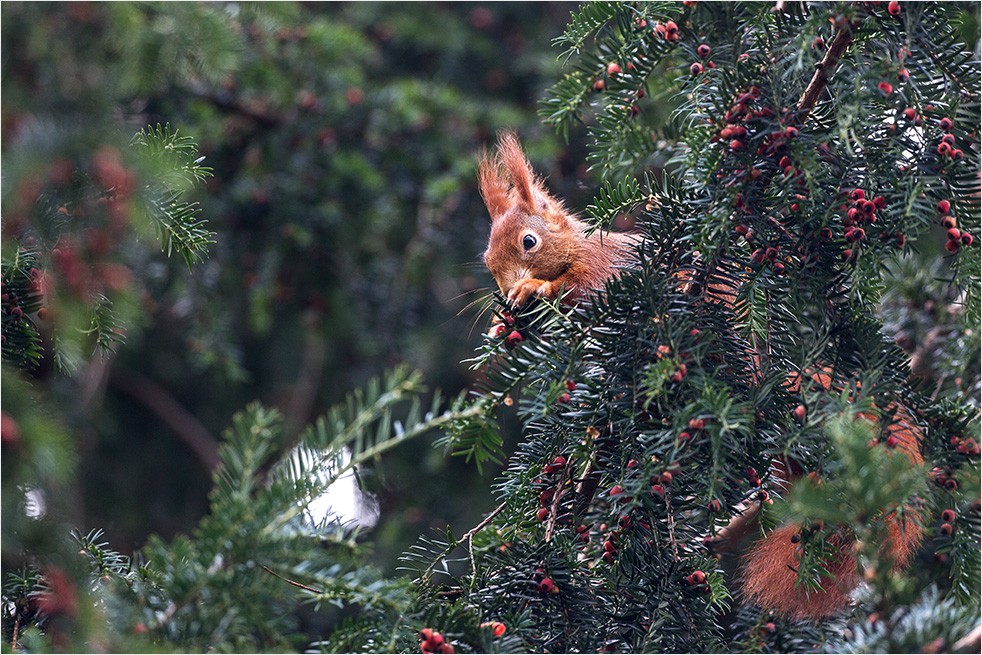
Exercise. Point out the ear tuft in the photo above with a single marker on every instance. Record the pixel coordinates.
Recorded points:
(519, 170)
(493, 187)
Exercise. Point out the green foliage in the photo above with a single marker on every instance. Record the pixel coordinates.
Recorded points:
(178, 169)
(748, 335)
(62, 276)
(265, 546)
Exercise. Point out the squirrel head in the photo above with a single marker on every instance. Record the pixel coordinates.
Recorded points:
(532, 235)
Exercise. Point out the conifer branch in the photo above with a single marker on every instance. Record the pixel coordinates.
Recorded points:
(823, 69)
(483, 524)
(295, 584)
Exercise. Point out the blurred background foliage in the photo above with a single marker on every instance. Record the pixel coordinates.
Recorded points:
(347, 226)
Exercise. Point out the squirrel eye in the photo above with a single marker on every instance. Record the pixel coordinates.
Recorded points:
(528, 241)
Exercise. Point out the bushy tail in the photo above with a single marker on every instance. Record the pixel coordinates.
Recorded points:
(769, 572)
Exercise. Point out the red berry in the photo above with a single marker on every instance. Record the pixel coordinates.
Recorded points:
(910, 114)
(616, 490)
(954, 233)
(848, 255)
(713, 506)
(951, 246)
(498, 627)
(736, 144)
(699, 577)
(799, 413)
(943, 206)
(497, 330)
(599, 85)
(966, 240)
(944, 149)
(771, 253)
(858, 234)
(546, 586)
(948, 222)
(893, 8)
(542, 514)
(563, 398)
(665, 478)
(957, 154)
(819, 42)
(426, 634)
(697, 424)
(447, 649)
(613, 68)
(695, 68)
(791, 132)
(945, 123)
(514, 338)
(671, 27)
(892, 442)
(570, 385)
(703, 50)
(885, 87)
(657, 489)
(768, 628)
(857, 194)
(949, 139)
(879, 202)
(900, 241)
(946, 528)
(948, 516)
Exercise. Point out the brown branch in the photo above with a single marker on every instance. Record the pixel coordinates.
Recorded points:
(295, 584)
(824, 68)
(483, 524)
(159, 401)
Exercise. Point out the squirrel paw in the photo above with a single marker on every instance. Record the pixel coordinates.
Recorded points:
(525, 287)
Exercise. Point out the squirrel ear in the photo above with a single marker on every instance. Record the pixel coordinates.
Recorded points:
(517, 183)
(493, 187)
(518, 167)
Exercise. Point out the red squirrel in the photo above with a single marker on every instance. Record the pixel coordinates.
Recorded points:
(536, 247)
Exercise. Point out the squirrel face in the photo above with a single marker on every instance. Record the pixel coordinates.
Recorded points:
(532, 236)
(524, 245)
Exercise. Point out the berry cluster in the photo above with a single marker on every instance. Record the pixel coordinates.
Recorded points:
(433, 642)
(943, 478)
(503, 331)
(697, 579)
(956, 238)
(696, 426)
(966, 445)
(545, 585)
(703, 51)
(496, 626)
(548, 494)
